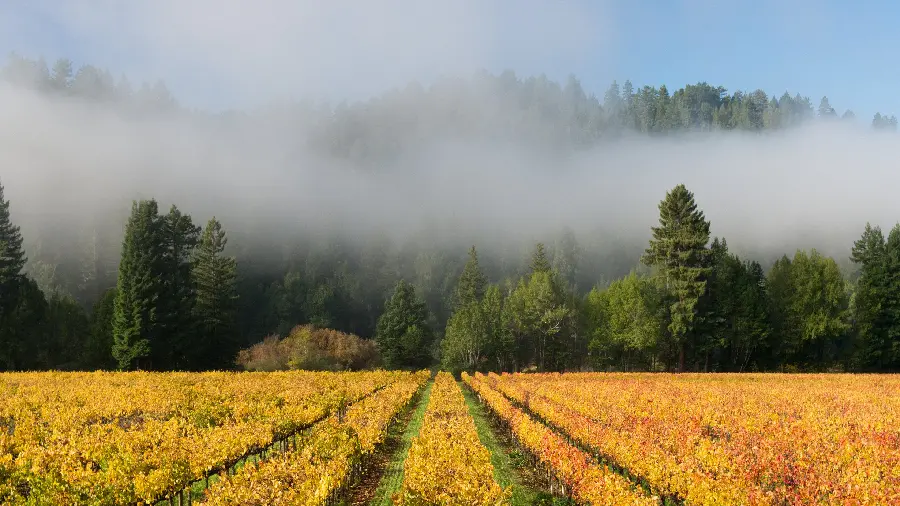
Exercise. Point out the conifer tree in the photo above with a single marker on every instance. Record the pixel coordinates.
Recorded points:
(12, 256)
(136, 324)
(98, 351)
(541, 320)
(678, 249)
(472, 282)
(215, 278)
(877, 299)
(539, 261)
(869, 253)
(12, 261)
(176, 347)
(402, 333)
(565, 258)
(465, 338)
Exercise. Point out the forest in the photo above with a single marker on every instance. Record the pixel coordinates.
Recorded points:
(150, 288)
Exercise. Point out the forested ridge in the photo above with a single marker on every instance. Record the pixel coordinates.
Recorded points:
(162, 292)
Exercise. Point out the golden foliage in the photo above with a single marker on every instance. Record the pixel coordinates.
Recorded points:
(112, 438)
(311, 348)
(447, 464)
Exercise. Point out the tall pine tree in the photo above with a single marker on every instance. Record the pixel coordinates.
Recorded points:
(12, 256)
(679, 250)
(877, 299)
(472, 282)
(215, 278)
(177, 347)
(12, 261)
(136, 324)
(539, 261)
(403, 336)
(465, 338)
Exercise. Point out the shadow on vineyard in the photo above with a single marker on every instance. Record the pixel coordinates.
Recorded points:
(604, 460)
(513, 466)
(392, 475)
(383, 463)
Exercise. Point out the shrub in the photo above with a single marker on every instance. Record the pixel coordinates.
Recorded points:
(311, 348)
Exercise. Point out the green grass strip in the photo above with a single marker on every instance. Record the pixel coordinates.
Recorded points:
(392, 478)
(507, 460)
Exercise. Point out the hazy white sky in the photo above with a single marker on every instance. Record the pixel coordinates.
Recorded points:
(823, 181)
(217, 53)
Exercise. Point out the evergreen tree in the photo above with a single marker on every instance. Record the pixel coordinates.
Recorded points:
(472, 282)
(565, 259)
(25, 331)
(67, 330)
(877, 299)
(498, 336)
(825, 109)
(752, 329)
(626, 322)
(98, 352)
(136, 325)
(613, 107)
(12, 261)
(402, 333)
(810, 310)
(539, 261)
(735, 324)
(12, 256)
(541, 321)
(176, 347)
(678, 249)
(215, 277)
(781, 317)
(465, 339)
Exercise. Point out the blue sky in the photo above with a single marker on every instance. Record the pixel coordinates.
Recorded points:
(219, 53)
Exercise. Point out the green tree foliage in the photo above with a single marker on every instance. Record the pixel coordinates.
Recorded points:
(539, 260)
(215, 278)
(466, 342)
(12, 256)
(877, 299)
(884, 122)
(177, 345)
(566, 257)
(678, 249)
(627, 322)
(810, 310)
(98, 353)
(719, 312)
(825, 109)
(540, 321)
(136, 322)
(735, 328)
(472, 283)
(67, 331)
(21, 303)
(24, 329)
(155, 325)
(402, 334)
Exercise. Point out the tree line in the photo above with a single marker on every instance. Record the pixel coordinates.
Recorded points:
(145, 292)
(173, 306)
(499, 107)
(694, 307)
(691, 305)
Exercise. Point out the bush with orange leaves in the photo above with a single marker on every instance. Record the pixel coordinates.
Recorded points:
(313, 349)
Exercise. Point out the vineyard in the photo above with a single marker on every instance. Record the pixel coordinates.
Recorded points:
(317, 438)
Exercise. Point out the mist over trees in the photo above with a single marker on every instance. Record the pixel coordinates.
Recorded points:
(154, 290)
